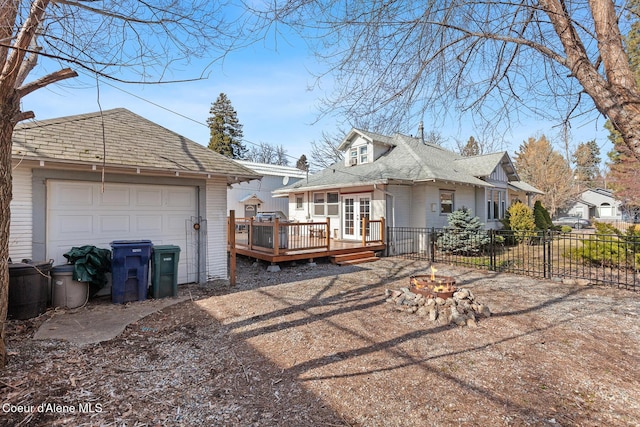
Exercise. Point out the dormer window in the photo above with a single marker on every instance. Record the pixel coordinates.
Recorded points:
(363, 154)
(353, 157)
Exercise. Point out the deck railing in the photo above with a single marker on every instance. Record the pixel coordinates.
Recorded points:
(281, 237)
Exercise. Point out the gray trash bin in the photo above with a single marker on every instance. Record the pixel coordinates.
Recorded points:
(66, 292)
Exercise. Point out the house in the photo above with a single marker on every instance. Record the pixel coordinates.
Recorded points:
(94, 178)
(408, 182)
(249, 198)
(598, 204)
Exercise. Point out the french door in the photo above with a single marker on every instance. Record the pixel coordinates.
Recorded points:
(354, 208)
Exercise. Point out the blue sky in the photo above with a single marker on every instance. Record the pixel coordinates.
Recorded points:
(269, 89)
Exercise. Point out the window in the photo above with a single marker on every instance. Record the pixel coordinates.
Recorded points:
(299, 202)
(496, 202)
(353, 157)
(363, 154)
(326, 204)
(446, 201)
(332, 204)
(318, 204)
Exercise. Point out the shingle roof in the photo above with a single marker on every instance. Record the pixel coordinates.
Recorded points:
(409, 161)
(130, 141)
(523, 186)
(484, 165)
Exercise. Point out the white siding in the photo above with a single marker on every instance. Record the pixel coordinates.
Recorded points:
(262, 189)
(21, 236)
(217, 228)
(424, 196)
(401, 206)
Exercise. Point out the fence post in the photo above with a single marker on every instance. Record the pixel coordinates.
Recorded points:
(548, 246)
(432, 239)
(492, 250)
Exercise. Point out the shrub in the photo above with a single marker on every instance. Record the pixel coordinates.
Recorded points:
(465, 235)
(521, 221)
(541, 217)
(566, 229)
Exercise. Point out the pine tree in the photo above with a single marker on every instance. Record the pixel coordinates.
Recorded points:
(465, 235)
(543, 167)
(226, 130)
(471, 149)
(587, 160)
(302, 163)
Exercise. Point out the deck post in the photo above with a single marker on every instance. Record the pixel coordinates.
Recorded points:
(276, 236)
(250, 233)
(328, 233)
(363, 230)
(231, 230)
(382, 228)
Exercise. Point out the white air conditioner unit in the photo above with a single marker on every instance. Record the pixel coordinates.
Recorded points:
(353, 161)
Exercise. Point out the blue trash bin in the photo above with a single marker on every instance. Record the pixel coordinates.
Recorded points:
(130, 270)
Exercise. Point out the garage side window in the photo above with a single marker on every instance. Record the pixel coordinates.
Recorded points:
(299, 202)
(446, 202)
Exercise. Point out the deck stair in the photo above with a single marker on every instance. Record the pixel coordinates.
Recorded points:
(354, 258)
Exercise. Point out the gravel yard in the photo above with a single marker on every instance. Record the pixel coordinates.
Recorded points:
(320, 346)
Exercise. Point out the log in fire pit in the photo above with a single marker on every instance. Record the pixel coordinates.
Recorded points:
(431, 285)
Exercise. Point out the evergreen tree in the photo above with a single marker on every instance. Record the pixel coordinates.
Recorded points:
(543, 167)
(521, 221)
(471, 149)
(465, 235)
(226, 130)
(624, 174)
(302, 163)
(541, 216)
(587, 160)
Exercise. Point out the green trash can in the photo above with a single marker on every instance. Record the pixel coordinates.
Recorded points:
(164, 271)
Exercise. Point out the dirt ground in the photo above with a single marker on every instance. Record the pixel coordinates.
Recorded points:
(319, 346)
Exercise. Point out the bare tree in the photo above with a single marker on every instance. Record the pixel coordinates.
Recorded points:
(130, 41)
(490, 59)
(269, 154)
(325, 152)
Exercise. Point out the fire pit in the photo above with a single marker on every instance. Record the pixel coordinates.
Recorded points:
(431, 285)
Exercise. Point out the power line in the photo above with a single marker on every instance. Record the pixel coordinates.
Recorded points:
(155, 104)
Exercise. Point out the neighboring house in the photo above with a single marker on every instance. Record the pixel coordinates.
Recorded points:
(596, 204)
(94, 178)
(406, 181)
(249, 198)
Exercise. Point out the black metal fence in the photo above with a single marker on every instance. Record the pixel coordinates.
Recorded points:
(612, 259)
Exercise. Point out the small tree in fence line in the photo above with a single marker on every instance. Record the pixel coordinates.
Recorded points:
(465, 235)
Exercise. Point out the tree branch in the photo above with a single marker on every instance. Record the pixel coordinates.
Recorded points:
(63, 74)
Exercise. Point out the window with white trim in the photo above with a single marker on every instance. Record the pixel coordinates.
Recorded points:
(326, 204)
(363, 158)
(496, 202)
(299, 202)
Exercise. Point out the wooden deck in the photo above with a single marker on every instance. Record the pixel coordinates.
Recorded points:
(276, 242)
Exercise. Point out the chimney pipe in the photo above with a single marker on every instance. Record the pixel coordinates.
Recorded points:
(421, 131)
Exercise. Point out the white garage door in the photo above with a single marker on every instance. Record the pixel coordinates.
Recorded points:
(79, 214)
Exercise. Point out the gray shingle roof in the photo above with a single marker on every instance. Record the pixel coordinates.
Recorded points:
(131, 141)
(484, 165)
(408, 161)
